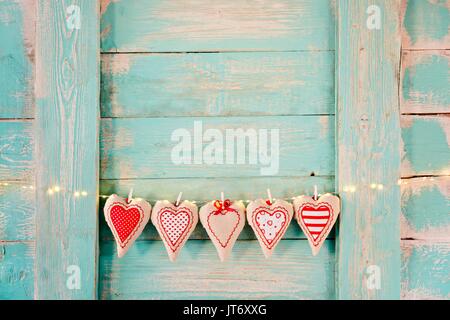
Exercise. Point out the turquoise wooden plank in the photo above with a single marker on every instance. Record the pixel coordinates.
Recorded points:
(368, 140)
(146, 273)
(425, 270)
(426, 81)
(16, 270)
(426, 24)
(212, 84)
(425, 208)
(17, 21)
(67, 94)
(425, 148)
(198, 25)
(17, 210)
(208, 189)
(16, 150)
(142, 148)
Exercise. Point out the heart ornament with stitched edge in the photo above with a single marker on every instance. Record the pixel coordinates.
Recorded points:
(316, 217)
(126, 219)
(174, 224)
(269, 221)
(223, 222)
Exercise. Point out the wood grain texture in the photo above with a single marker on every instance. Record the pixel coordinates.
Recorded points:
(368, 140)
(146, 272)
(141, 148)
(425, 270)
(425, 81)
(16, 270)
(16, 150)
(17, 210)
(17, 32)
(213, 84)
(426, 208)
(67, 113)
(198, 25)
(425, 145)
(426, 24)
(208, 189)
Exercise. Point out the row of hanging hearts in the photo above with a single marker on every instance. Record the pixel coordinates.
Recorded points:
(223, 221)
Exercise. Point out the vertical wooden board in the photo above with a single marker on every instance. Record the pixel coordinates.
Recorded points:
(145, 272)
(17, 210)
(426, 208)
(67, 94)
(426, 24)
(16, 270)
(425, 81)
(368, 140)
(212, 84)
(17, 19)
(216, 25)
(16, 150)
(425, 270)
(425, 145)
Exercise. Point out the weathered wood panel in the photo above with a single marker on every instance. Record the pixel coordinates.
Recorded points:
(425, 81)
(425, 145)
(207, 189)
(17, 210)
(16, 150)
(368, 140)
(213, 84)
(17, 29)
(425, 270)
(67, 111)
(146, 272)
(199, 25)
(16, 270)
(141, 148)
(426, 208)
(426, 24)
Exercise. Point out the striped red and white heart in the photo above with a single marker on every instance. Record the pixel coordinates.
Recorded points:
(316, 217)
(126, 219)
(223, 223)
(269, 221)
(174, 224)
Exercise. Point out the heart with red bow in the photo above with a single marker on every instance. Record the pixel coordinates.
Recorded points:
(316, 217)
(269, 221)
(174, 224)
(126, 218)
(223, 222)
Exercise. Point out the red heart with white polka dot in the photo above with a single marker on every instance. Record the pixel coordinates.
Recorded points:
(125, 221)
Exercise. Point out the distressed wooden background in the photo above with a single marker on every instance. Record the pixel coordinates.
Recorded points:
(165, 64)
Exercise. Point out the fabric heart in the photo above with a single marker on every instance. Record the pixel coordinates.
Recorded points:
(316, 217)
(174, 224)
(223, 224)
(269, 222)
(126, 219)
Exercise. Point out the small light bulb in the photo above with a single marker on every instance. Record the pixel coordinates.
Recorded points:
(380, 187)
(373, 186)
(76, 194)
(50, 191)
(84, 193)
(56, 189)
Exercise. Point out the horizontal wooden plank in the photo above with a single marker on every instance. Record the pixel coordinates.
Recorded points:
(209, 189)
(425, 149)
(212, 84)
(426, 24)
(199, 25)
(17, 58)
(16, 150)
(426, 81)
(146, 272)
(17, 203)
(425, 270)
(16, 270)
(142, 148)
(426, 208)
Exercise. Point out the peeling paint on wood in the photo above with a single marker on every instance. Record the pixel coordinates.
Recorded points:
(146, 272)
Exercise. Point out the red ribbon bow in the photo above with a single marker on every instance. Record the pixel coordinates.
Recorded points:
(225, 206)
